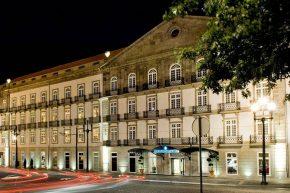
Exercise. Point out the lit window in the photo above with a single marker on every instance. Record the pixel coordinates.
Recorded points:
(260, 163)
(81, 136)
(152, 76)
(151, 103)
(55, 94)
(32, 117)
(230, 97)
(43, 116)
(43, 96)
(232, 164)
(67, 113)
(33, 98)
(42, 136)
(32, 136)
(54, 114)
(22, 101)
(132, 80)
(96, 134)
(81, 112)
(22, 118)
(54, 137)
(81, 90)
(96, 110)
(67, 136)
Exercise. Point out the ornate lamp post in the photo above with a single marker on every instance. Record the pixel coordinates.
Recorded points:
(265, 108)
(16, 133)
(87, 130)
(8, 81)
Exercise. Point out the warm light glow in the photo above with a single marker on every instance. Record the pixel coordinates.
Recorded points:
(263, 104)
(105, 158)
(271, 106)
(8, 81)
(107, 54)
(255, 107)
(263, 101)
(122, 169)
(248, 173)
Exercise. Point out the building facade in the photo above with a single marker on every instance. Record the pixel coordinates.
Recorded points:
(138, 99)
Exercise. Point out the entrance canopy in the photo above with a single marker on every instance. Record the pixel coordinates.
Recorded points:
(189, 150)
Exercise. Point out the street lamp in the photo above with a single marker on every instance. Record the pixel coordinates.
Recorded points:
(15, 132)
(107, 54)
(87, 130)
(8, 81)
(265, 107)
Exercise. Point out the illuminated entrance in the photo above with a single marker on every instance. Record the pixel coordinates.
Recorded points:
(177, 166)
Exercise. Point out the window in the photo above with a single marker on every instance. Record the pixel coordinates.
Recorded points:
(22, 101)
(81, 90)
(96, 134)
(43, 96)
(232, 164)
(32, 136)
(43, 116)
(33, 98)
(14, 102)
(201, 73)
(54, 114)
(201, 98)
(114, 85)
(259, 127)
(22, 137)
(262, 90)
(260, 163)
(230, 97)
(42, 136)
(13, 119)
(113, 108)
(32, 117)
(132, 132)
(55, 94)
(67, 113)
(67, 92)
(67, 136)
(81, 113)
(113, 133)
(54, 137)
(81, 136)
(96, 88)
(175, 72)
(231, 127)
(175, 101)
(175, 130)
(151, 103)
(132, 80)
(152, 133)
(13, 137)
(3, 138)
(22, 118)
(131, 106)
(96, 110)
(152, 77)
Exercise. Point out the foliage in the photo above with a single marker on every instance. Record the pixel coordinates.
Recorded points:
(213, 157)
(246, 41)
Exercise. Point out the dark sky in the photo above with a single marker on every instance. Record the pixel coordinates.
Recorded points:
(35, 35)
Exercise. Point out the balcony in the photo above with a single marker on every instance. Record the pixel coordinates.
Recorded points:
(258, 139)
(147, 86)
(152, 142)
(31, 125)
(13, 109)
(4, 127)
(112, 143)
(54, 102)
(80, 121)
(42, 124)
(66, 122)
(95, 119)
(22, 108)
(201, 109)
(54, 123)
(22, 126)
(129, 116)
(80, 99)
(31, 106)
(94, 96)
(228, 106)
(66, 101)
(112, 92)
(42, 105)
(230, 140)
(204, 140)
(4, 110)
(175, 112)
(151, 114)
(131, 142)
(113, 118)
(13, 127)
(132, 89)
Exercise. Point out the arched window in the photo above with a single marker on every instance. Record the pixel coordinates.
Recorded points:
(67, 92)
(43, 97)
(200, 72)
(132, 80)
(55, 94)
(96, 88)
(114, 83)
(152, 77)
(81, 90)
(175, 72)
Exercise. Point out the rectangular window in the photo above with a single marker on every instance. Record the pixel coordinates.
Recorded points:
(67, 92)
(3, 138)
(175, 101)
(42, 136)
(231, 127)
(201, 98)
(113, 133)
(22, 118)
(96, 110)
(22, 101)
(81, 136)
(260, 164)
(33, 98)
(4, 104)
(81, 90)
(54, 138)
(114, 162)
(262, 90)
(81, 112)
(67, 113)
(14, 102)
(13, 119)
(232, 164)
(132, 132)
(113, 108)
(152, 133)
(32, 136)
(22, 138)
(201, 73)
(131, 106)
(175, 130)
(32, 117)
(43, 116)
(151, 103)
(96, 134)
(54, 114)
(55, 94)
(230, 97)
(43, 96)
(96, 87)
(67, 136)
(259, 127)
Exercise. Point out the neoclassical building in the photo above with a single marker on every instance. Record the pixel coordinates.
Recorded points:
(124, 105)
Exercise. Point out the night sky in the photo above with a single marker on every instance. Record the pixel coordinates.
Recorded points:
(35, 35)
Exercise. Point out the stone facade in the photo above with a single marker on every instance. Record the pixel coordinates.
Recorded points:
(138, 99)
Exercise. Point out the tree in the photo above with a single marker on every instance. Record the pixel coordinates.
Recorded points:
(246, 41)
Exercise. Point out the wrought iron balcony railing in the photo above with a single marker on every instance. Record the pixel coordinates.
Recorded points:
(22, 126)
(112, 143)
(42, 124)
(174, 112)
(230, 140)
(204, 140)
(54, 102)
(31, 125)
(31, 106)
(66, 101)
(174, 82)
(22, 108)
(42, 105)
(80, 99)
(259, 139)
(80, 121)
(150, 114)
(152, 142)
(201, 109)
(66, 122)
(113, 117)
(54, 123)
(228, 106)
(94, 96)
(129, 116)
(131, 142)
(95, 119)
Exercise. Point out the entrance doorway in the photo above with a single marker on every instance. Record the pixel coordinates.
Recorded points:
(132, 162)
(114, 162)
(2, 160)
(54, 160)
(42, 159)
(67, 160)
(177, 166)
(81, 160)
(96, 161)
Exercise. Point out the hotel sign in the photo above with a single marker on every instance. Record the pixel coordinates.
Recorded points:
(165, 150)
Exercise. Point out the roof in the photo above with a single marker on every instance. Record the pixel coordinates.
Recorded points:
(68, 65)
